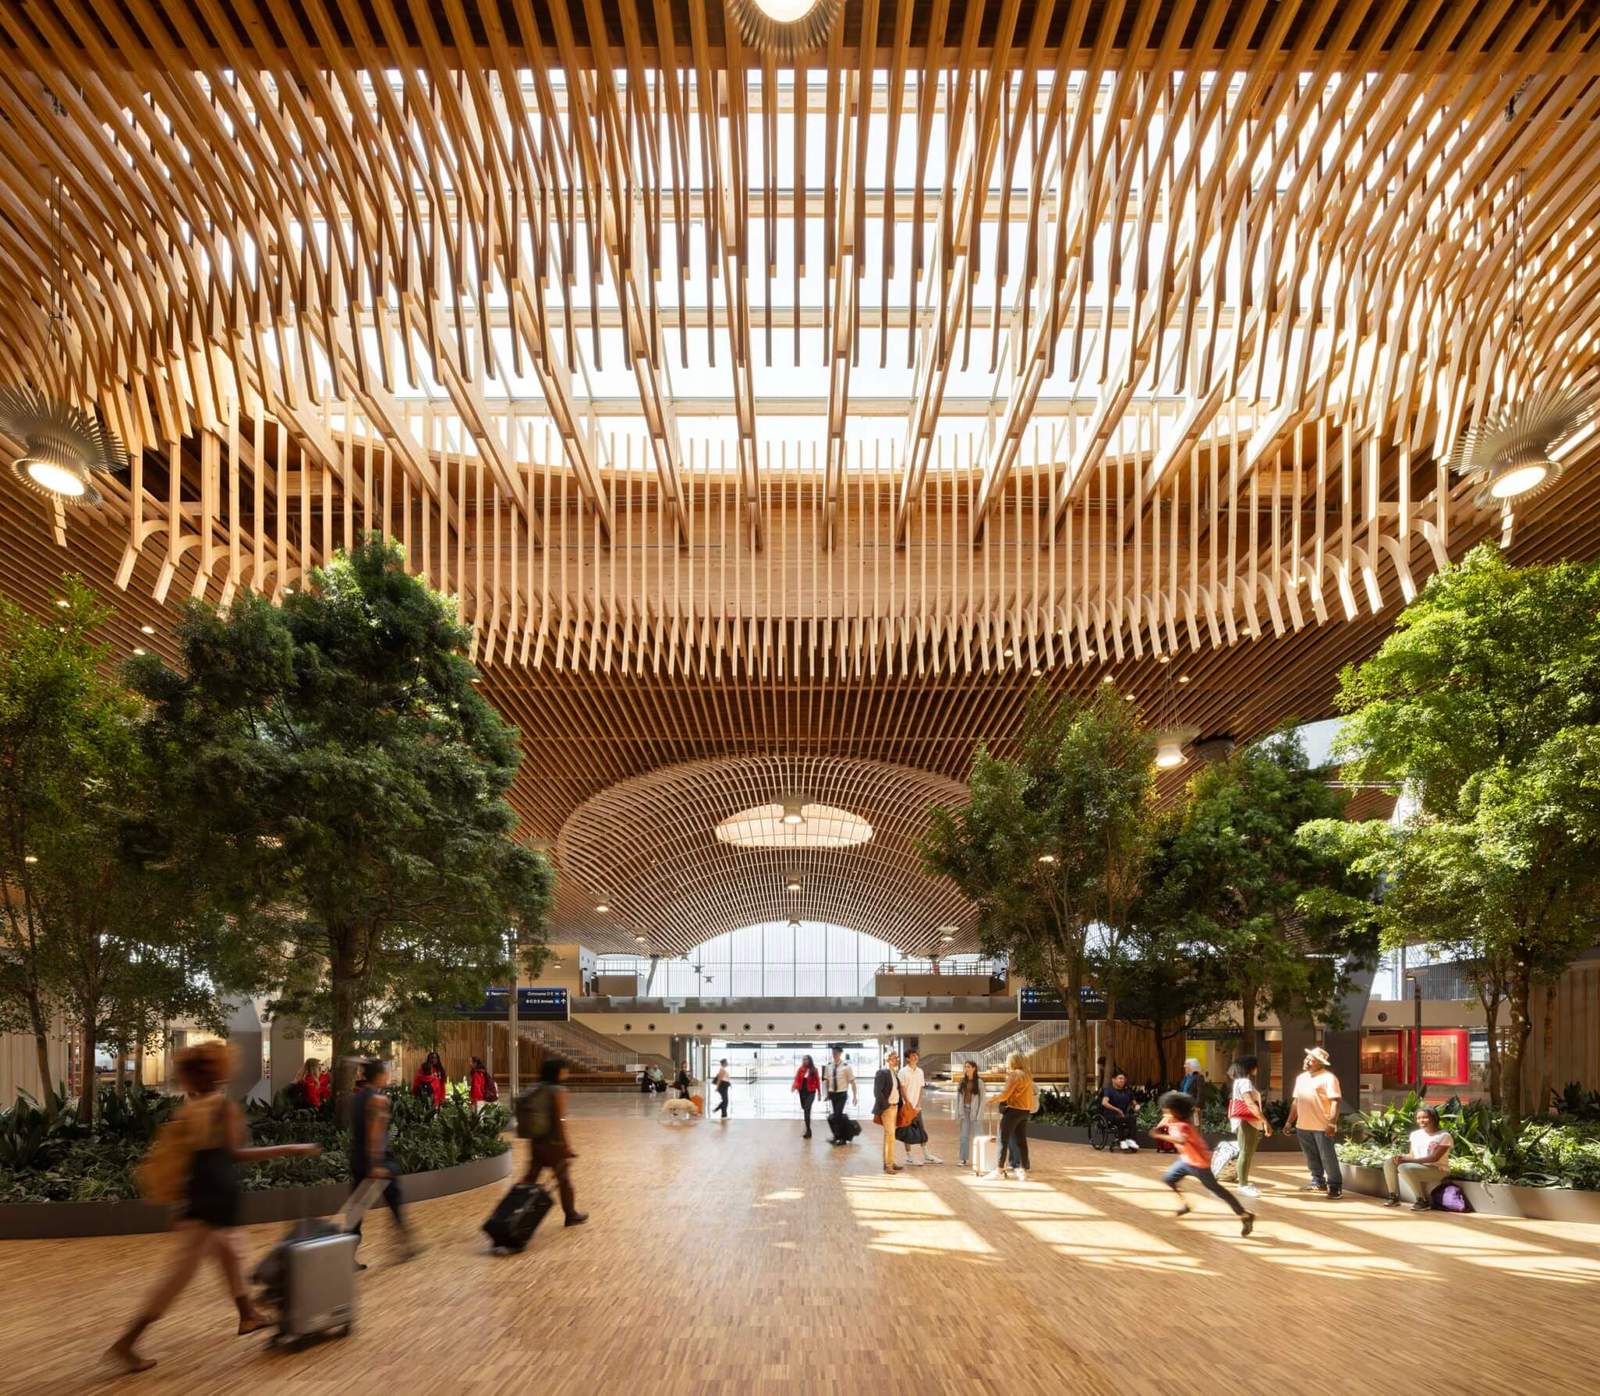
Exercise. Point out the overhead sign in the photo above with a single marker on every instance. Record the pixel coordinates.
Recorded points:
(1036, 1005)
(533, 1005)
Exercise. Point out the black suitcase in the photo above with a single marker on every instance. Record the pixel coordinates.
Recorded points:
(511, 1225)
(843, 1128)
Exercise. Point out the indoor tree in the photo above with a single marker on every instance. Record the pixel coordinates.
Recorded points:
(1049, 844)
(1280, 918)
(331, 765)
(1484, 703)
(1163, 984)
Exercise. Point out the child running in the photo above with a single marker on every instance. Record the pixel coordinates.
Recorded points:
(1194, 1156)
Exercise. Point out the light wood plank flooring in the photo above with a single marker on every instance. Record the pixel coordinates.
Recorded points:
(738, 1258)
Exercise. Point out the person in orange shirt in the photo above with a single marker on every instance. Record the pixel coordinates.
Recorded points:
(1194, 1156)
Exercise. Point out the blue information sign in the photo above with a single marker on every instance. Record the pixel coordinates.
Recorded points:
(533, 1005)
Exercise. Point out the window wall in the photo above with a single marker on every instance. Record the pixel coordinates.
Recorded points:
(773, 960)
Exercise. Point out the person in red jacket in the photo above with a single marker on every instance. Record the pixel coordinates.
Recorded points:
(808, 1083)
(309, 1084)
(430, 1079)
(481, 1088)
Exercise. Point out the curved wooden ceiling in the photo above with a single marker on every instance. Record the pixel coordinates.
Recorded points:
(647, 849)
(813, 413)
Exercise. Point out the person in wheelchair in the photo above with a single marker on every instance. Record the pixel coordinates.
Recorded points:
(1117, 1109)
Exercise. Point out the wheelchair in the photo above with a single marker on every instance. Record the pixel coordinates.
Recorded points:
(1105, 1133)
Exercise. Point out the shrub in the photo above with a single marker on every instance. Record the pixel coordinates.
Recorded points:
(68, 1162)
(1490, 1146)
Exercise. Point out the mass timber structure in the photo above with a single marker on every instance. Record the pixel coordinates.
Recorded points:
(817, 411)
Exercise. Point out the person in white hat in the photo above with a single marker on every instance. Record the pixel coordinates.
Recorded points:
(1314, 1120)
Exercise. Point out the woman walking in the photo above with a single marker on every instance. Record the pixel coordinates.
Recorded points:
(1248, 1118)
(213, 1129)
(808, 1083)
(1017, 1103)
(969, 1107)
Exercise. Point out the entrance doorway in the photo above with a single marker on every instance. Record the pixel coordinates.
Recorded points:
(763, 1072)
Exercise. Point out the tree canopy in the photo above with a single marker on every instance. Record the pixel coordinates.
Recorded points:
(1050, 843)
(332, 765)
(1281, 919)
(1484, 703)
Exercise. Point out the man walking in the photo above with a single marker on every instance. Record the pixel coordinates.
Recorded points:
(1314, 1120)
(886, 1106)
(372, 1166)
(839, 1080)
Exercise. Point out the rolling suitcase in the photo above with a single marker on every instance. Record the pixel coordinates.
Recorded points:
(985, 1150)
(512, 1223)
(843, 1128)
(319, 1287)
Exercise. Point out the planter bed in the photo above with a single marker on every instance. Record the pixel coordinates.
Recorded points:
(30, 1221)
(1496, 1199)
(1079, 1134)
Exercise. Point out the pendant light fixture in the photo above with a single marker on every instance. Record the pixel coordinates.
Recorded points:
(65, 448)
(1173, 737)
(1514, 449)
(784, 28)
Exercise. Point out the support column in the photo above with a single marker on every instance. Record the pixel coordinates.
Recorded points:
(514, 1047)
(287, 1039)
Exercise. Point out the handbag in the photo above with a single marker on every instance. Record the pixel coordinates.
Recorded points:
(1239, 1110)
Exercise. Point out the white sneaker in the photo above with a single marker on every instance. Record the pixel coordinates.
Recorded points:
(914, 1162)
(992, 1176)
(931, 1158)
(1022, 1175)
(1249, 1190)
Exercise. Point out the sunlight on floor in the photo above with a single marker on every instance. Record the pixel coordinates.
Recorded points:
(1072, 1227)
(906, 1217)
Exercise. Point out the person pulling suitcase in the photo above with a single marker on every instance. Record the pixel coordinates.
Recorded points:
(839, 1080)
(540, 1120)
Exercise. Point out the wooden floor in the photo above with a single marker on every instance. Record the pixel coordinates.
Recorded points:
(736, 1258)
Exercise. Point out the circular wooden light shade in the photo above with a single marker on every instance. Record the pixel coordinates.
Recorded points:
(648, 847)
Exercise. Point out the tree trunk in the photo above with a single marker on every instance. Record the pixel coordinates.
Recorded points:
(1512, 1084)
(343, 984)
(1249, 1038)
(122, 1073)
(41, 1047)
(1547, 1072)
(1161, 1055)
(86, 1101)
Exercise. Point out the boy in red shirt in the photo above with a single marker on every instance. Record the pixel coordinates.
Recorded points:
(1194, 1155)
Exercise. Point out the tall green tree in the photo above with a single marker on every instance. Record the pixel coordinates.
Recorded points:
(1049, 845)
(62, 718)
(1485, 704)
(1164, 984)
(95, 931)
(1283, 920)
(332, 765)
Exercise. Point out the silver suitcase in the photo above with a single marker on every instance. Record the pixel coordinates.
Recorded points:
(319, 1287)
(985, 1150)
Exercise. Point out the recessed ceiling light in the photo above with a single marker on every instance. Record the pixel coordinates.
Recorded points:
(1183, 678)
(148, 629)
(62, 602)
(1047, 858)
(137, 650)
(1037, 672)
(1009, 652)
(1108, 679)
(792, 885)
(1163, 659)
(793, 813)
(640, 939)
(602, 907)
(947, 939)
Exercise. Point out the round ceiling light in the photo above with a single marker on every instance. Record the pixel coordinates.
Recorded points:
(65, 447)
(792, 885)
(1511, 479)
(784, 28)
(774, 826)
(1170, 743)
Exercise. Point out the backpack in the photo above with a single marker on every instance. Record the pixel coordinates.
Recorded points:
(491, 1092)
(536, 1114)
(163, 1173)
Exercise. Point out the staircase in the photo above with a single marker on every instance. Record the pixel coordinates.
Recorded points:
(991, 1050)
(586, 1050)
